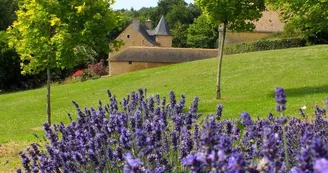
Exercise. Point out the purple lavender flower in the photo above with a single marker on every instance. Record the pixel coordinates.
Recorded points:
(236, 164)
(141, 94)
(172, 99)
(246, 119)
(175, 139)
(141, 138)
(280, 96)
(305, 163)
(132, 165)
(186, 143)
(97, 142)
(219, 111)
(320, 150)
(194, 107)
(195, 161)
(125, 139)
(282, 120)
(321, 165)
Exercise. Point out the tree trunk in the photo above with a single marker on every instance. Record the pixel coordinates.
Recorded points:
(48, 96)
(220, 51)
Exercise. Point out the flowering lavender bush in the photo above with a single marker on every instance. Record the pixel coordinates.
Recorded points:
(156, 135)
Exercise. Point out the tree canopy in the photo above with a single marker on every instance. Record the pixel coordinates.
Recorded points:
(59, 34)
(238, 15)
(306, 17)
(202, 33)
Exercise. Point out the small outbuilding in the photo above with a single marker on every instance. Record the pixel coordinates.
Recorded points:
(138, 58)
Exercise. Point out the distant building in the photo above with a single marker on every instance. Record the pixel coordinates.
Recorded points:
(148, 48)
(269, 23)
(138, 58)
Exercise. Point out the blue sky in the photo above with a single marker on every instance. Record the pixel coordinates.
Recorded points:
(137, 4)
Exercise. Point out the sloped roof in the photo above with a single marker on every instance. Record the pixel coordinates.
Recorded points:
(144, 32)
(162, 28)
(163, 54)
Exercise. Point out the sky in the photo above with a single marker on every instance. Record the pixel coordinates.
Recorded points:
(137, 4)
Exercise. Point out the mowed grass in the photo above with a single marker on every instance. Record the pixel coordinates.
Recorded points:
(248, 83)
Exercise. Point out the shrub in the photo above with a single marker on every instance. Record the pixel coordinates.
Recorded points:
(98, 69)
(155, 135)
(264, 45)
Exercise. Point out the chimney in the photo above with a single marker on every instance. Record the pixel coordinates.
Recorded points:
(148, 24)
(136, 24)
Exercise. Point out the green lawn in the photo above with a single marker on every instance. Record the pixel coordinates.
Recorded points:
(248, 83)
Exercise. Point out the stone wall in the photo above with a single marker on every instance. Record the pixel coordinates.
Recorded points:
(164, 40)
(120, 67)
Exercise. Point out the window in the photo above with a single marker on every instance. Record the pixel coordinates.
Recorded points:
(128, 36)
(130, 62)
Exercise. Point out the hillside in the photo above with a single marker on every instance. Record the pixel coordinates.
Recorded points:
(248, 84)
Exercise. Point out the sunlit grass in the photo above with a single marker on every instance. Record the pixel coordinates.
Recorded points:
(248, 83)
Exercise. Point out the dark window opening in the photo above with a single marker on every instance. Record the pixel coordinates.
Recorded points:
(130, 62)
(128, 36)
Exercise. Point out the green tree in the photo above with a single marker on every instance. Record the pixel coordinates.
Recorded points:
(179, 34)
(235, 15)
(306, 17)
(7, 13)
(202, 33)
(59, 34)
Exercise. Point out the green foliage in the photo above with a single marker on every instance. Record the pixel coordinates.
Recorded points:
(10, 72)
(306, 17)
(236, 14)
(202, 33)
(179, 35)
(264, 45)
(9, 64)
(7, 13)
(58, 34)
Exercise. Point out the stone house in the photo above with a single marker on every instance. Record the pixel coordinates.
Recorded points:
(269, 23)
(147, 48)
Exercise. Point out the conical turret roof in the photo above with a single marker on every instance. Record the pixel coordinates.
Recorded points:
(162, 28)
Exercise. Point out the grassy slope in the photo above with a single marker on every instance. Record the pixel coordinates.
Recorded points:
(248, 83)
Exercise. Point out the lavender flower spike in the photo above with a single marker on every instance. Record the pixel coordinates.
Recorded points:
(132, 165)
(280, 96)
(219, 111)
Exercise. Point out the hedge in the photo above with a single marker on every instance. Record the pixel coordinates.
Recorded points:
(264, 45)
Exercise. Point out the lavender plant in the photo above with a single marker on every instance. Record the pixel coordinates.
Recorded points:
(141, 134)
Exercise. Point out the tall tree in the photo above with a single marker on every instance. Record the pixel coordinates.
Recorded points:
(59, 34)
(306, 17)
(235, 15)
(202, 33)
